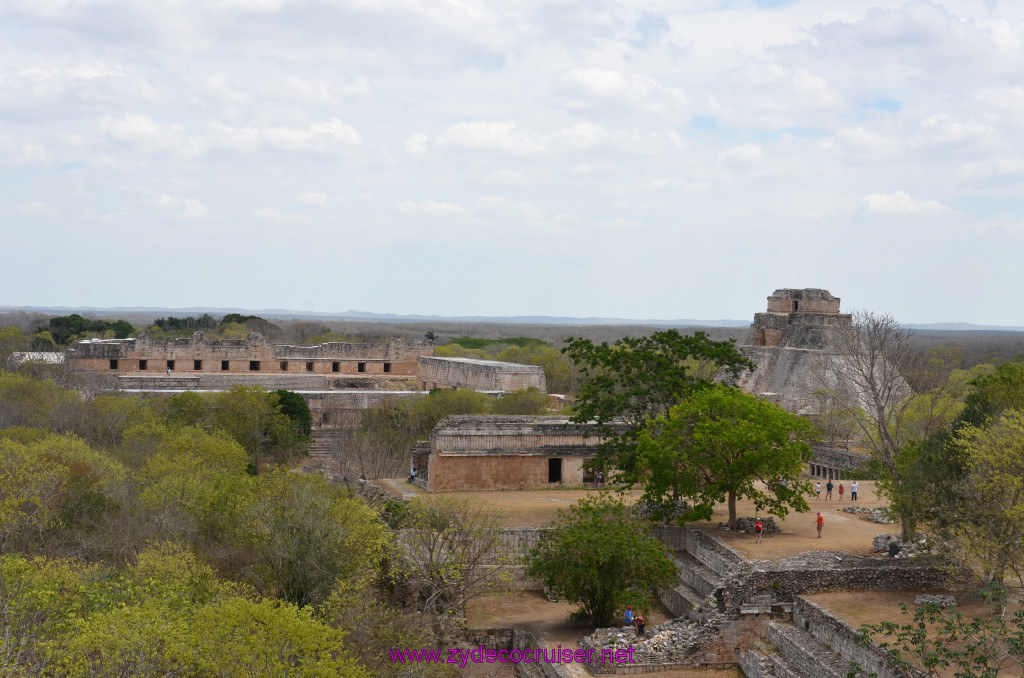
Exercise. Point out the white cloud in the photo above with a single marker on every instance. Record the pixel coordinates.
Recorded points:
(430, 208)
(148, 135)
(186, 208)
(680, 186)
(417, 144)
(744, 155)
(900, 204)
(503, 136)
(276, 216)
(312, 199)
(326, 137)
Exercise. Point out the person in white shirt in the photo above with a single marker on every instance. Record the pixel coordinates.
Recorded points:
(853, 491)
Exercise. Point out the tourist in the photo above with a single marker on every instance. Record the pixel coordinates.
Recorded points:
(641, 626)
(820, 523)
(841, 490)
(412, 476)
(757, 530)
(629, 616)
(817, 488)
(853, 491)
(828, 490)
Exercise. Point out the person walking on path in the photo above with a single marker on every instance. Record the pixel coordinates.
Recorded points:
(757, 530)
(853, 491)
(828, 490)
(641, 626)
(817, 489)
(820, 523)
(841, 490)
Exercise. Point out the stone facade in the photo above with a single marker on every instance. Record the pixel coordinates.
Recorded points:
(482, 375)
(247, 358)
(475, 452)
(830, 464)
(798, 319)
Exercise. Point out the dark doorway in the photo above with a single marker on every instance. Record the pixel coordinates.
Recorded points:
(554, 470)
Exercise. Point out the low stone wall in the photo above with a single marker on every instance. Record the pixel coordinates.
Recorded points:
(519, 541)
(840, 637)
(829, 571)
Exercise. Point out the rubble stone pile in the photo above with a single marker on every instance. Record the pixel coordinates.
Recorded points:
(938, 598)
(672, 641)
(877, 515)
(915, 548)
(746, 524)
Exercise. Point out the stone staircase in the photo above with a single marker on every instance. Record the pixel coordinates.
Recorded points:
(795, 653)
(694, 594)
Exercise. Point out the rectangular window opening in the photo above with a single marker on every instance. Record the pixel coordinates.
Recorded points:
(335, 366)
(113, 364)
(143, 364)
(170, 364)
(225, 365)
(361, 367)
(197, 365)
(254, 365)
(309, 367)
(284, 365)
(387, 367)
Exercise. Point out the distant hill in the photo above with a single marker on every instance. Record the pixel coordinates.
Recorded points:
(286, 314)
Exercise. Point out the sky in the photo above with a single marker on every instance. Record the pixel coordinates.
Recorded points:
(658, 159)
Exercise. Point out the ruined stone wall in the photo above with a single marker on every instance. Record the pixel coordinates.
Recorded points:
(484, 375)
(829, 571)
(813, 300)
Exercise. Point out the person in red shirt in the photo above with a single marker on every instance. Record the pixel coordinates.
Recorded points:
(841, 490)
(820, 523)
(757, 530)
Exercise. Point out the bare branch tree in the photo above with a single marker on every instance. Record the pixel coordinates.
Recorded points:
(862, 369)
(451, 551)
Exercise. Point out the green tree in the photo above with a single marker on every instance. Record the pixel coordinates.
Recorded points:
(527, 401)
(990, 519)
(940, 639)
(12, 340)
(293, 406)
(723, 444)
(31, 490)
(636, 379)
(600, 556)
(251, 416)
(312, 536)
(239, 637)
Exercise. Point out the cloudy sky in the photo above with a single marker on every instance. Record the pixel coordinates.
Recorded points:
(656, 159)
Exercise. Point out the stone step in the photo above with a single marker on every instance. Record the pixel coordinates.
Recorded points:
(761, 664)
(695, 575)
(802, 655)
(779, 669)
